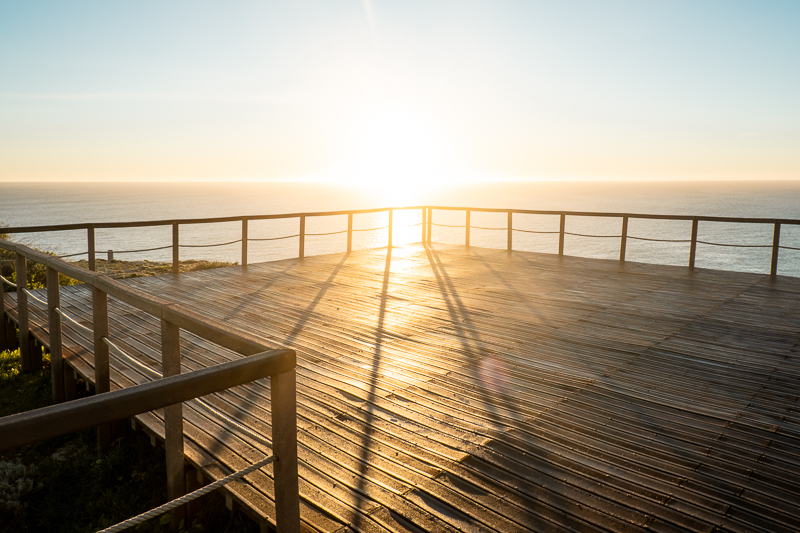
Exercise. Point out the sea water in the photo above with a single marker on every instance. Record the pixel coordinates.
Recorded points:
(40, 204)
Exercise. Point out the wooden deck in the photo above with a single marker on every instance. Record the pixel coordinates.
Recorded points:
(456, 389)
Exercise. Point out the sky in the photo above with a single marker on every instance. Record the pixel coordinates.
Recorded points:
(407, 92)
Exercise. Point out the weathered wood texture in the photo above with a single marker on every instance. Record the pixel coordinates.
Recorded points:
(462, 389)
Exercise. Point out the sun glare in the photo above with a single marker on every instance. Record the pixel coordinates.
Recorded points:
(396, 154)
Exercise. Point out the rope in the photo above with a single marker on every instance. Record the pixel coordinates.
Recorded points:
(788, 248)
(236, 425)
(143, 250)
(532, 231)
(29, 293)
(121, 353)
(658, 240)
(231, 423)
(737, 245)
(73, 321)
(331, 233)
(371, 229)
(275, 238)
(71, 255)
(208, 245)
(8, 282)
(478, 227)
(136, 520)
(600, 236)
(447, 225)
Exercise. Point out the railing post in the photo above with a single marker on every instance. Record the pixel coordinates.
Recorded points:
(102, 374)
(173, 419)
(176, 255)
(284, 447)
(391, 222)
(244, 242)
(466, 230)
(424, 225)
(11, 335)
(510, 235)
(693, 247)
(302, 236)
(4, 341)
(90, 239)
(349, 232)
(430, 223)
(561, 235)
(54, 329)
(624, 239)
(21, 267)
(776, 246)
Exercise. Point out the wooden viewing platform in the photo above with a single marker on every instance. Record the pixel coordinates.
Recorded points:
(453, 388)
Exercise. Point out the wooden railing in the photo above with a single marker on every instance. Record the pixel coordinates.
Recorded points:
(775, 246)
(176, 245)
(278, 364)
(426, 235)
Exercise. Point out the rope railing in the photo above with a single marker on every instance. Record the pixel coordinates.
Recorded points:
(8, 282)
(33, 295)
(274, 238)
(153, 374)
(371, 229)
(329, 233)
(142, 250)
(789, 248)
(74, 322)
(735, 245)
(534, 231)
(598, 236)
(177, 502)
(116, 350)
(231, 422)
(209, 245)
(657, 240)
(72, 255)
(447, 225)
(228, 421)
(480, 227)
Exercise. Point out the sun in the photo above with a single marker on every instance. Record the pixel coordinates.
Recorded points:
(397, 154)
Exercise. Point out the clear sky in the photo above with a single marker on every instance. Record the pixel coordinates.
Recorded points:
(400, 90)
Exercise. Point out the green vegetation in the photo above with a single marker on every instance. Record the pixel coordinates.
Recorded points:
(66, 485)
(36, 273)
(132, 269)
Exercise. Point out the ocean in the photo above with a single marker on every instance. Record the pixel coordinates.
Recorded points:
(34, 204)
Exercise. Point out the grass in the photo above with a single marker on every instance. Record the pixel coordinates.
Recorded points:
(132, 269)
(67, 485)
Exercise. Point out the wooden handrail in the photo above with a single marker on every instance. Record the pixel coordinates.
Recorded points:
(173, 318)
(618, 215)
(69, 417)
(184, 221)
